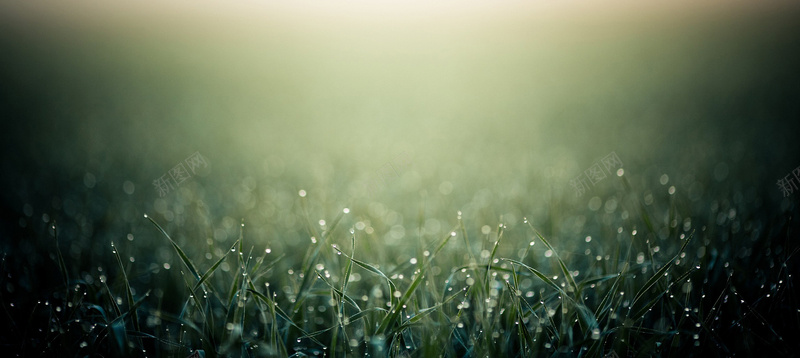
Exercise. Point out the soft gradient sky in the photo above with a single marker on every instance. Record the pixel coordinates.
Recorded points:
(510, 87)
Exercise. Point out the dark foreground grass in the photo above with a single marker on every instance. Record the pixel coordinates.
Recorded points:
(654, 278)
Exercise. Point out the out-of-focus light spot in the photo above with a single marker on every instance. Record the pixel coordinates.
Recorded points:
(595, 203)
(128, 187)
(446, 188)
(89, 180)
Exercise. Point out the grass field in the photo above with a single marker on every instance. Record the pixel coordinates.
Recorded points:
(587, 179)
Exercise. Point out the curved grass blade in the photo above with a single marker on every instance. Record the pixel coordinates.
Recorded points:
(128, 292)
(350, 320)
(538, 274)
(312, 260)
(213, 268)
(424, 312)
(370, 268)
(595, 280)
(182, 254)
(61, 265)
(660, 273)
(395, 311)
(491, 257)
(567, 273)
(267, 267)
(279, 312)
(336, 291)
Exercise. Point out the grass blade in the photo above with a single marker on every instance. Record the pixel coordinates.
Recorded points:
(182, 254)
(213, 268)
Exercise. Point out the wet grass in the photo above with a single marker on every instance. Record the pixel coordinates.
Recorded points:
(474, 245)
(650, 280)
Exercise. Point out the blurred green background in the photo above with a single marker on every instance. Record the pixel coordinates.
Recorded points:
(497, 107)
